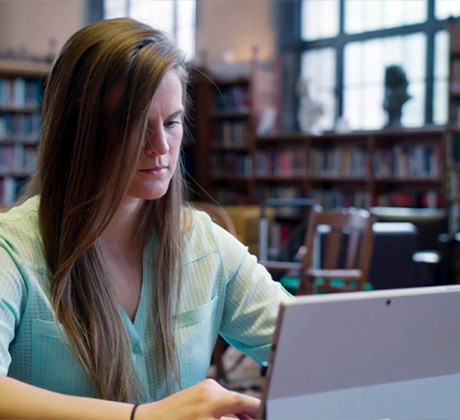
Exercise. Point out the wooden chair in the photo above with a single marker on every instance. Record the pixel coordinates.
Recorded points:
(336, 253)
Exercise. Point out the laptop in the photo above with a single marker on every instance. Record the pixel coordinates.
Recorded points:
(386, 354)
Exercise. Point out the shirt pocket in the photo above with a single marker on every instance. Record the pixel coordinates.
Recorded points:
(196, 333)
(53, 365)
(198, 314)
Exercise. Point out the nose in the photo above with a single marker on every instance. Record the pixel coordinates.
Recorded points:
(156, 142)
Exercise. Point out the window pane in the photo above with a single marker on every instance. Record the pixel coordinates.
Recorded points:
(352, 100)
(413, 111)
(158, 14)
(441, 75)
(440, 102)
(177, 17)
(446, 8)
(373, 99)
(364, 77)
(318, 68)
(186, 27)
(115, 8)
(369, 15)
(320, 19)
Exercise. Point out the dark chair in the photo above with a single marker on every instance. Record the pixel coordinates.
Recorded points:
(392, 264)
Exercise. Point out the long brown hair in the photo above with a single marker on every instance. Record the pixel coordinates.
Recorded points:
(82, 175)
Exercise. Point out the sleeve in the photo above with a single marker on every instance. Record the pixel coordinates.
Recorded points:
(251, 308)
(12, 293)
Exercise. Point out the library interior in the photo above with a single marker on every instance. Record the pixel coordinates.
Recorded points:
(300, 113)
(289, 101)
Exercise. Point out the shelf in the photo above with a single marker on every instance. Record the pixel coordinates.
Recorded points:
(19, 110)
(358, 168)
(409, 180)
(15, 174)
(23, 142)
(21, 68)
(337, 179)
(283, 137)
(415, 150)
(218, 148)
(226, 114)
(230, 115)
(20, 123)
(229, 178)
(452, 164)
(278, 178)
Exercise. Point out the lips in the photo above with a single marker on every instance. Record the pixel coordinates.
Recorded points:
(155, 170)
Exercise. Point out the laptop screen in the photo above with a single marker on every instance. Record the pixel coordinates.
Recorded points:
(367, 355)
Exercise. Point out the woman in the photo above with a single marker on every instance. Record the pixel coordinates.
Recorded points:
(112, 292)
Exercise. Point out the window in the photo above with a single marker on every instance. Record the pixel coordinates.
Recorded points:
(320, 19)
(344, 47)
(364, 16)
(364, 74)
(174, 16)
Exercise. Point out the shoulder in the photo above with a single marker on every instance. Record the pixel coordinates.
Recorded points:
(198, 227)
(22, 219)
(198, 223)
(20, 236)
(203, 236)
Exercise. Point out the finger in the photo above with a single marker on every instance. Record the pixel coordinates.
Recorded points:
(240, 416)
(237, 404)
(244, 416)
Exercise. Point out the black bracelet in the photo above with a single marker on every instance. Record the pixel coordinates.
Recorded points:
(134, 411)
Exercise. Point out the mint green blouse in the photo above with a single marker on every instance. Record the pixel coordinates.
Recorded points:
(224, 290)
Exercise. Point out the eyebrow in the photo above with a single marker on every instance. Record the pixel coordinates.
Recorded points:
(177, 113)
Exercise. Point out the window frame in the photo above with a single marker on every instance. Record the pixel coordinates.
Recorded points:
(290, 47)
(98, 9)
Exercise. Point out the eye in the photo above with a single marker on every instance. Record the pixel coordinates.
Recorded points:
(172, 123)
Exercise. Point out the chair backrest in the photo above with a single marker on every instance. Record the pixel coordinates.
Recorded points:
(345, 241)
(217, 214)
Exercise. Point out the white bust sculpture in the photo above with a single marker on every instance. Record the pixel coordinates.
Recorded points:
(309, 111)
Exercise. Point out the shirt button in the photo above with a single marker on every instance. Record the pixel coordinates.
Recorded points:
(137, 349)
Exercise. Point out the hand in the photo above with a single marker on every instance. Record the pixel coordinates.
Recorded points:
(206, 400)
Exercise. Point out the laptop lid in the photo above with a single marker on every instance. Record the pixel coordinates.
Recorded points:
(389, 354)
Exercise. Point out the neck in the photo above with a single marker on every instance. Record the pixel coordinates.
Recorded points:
(121, 233)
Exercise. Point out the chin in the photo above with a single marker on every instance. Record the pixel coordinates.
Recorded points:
(152, 195)
(149, 190)
(149, 193)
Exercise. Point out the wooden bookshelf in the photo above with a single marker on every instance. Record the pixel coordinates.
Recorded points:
(454, 75)
(236, 165)
(404, 167)
(21, 86)
(229, 108)
(453, 145)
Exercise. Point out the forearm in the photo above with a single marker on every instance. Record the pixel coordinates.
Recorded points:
(22, 401)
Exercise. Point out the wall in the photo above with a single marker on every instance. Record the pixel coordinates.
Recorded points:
(223, 25)
(234, 25)
(31, 24)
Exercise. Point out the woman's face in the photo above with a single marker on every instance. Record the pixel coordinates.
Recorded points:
(161, 147)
